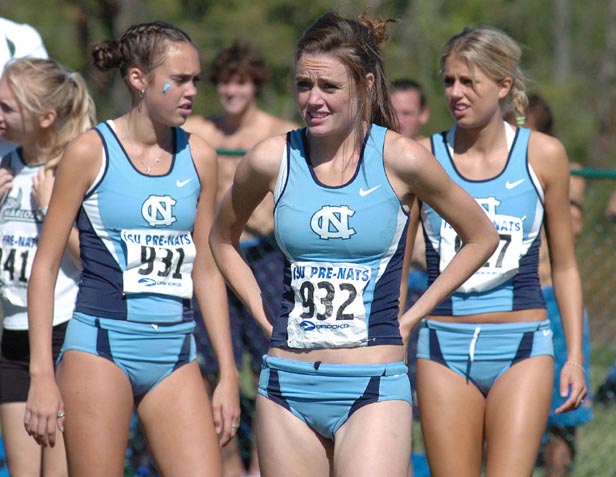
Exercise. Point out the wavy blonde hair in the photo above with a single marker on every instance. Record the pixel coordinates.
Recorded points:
(40, 85)
(497, 55)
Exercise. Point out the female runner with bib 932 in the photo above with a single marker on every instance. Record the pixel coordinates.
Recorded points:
(334, 395)
(485, 354)
(142, 192)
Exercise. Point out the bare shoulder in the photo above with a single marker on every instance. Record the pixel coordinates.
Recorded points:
(403, 155)
(264, 158)
(84, 154)
(547, 156)
(81, 161)
(200, 125)
(203, 154)
(272, 125)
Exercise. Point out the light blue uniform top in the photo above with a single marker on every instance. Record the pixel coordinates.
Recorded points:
(135, 233)
(344, 247)
(513, 200)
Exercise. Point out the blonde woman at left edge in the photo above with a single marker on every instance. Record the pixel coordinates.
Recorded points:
(42, 107)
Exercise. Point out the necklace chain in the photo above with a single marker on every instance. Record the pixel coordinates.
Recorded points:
(148, 169)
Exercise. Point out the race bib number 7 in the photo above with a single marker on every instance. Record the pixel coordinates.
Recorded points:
(329, 309)
(502, 265)
(159, 262)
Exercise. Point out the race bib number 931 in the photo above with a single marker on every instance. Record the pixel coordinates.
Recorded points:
(159, 262)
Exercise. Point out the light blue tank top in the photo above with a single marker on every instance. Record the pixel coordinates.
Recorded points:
(135, 233)
(513, 200)
(344, 248)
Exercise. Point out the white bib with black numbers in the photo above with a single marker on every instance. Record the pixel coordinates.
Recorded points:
(16, 256)
(159, 262)
(329, 309)
(502, 265)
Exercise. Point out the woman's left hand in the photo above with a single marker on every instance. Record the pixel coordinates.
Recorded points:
(572, 383)
(42, 185)
(226, 409)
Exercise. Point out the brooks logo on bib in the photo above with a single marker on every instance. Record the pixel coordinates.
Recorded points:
(329, 307)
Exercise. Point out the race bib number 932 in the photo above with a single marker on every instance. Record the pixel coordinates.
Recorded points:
(329, 309)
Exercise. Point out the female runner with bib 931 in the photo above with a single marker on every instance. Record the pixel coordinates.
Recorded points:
(334, 395)
(142, 192)
(485, 366)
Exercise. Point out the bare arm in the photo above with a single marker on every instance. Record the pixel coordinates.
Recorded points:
(408, 255)
(549, 160)
(413, 171)
(254, 178)
(75, 174)
(42, 186)
(211, 295)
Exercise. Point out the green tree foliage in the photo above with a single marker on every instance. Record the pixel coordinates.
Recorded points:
(582, 97)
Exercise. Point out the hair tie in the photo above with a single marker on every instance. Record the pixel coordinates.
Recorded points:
(520, 120)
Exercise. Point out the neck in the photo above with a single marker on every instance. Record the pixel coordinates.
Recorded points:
(482, 138)
(140, 129)
(341, 148)
(35, 153)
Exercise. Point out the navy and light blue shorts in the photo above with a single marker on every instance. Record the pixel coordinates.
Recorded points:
(483, 352)
(324, 396)
(146, 353)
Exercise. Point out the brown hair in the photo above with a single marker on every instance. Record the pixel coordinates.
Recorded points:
(540, 111)
(407, 84)
(42, 84)
(142, 46)
(239, 59)
(355, 43)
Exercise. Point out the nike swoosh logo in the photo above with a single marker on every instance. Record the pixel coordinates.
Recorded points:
(511, 185)
(364, 193)
(180, 183)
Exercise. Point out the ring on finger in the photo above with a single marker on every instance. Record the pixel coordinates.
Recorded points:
(60, 414)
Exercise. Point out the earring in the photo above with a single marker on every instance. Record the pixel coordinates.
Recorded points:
(141, 93)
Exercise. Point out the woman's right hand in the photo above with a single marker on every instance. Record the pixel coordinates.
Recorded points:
(43, 410)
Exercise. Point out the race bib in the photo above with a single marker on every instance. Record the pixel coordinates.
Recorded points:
(158, 262)
(501, 266)
(329, 309)
(16, 256)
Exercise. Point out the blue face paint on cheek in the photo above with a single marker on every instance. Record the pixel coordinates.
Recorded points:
(166, 86)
